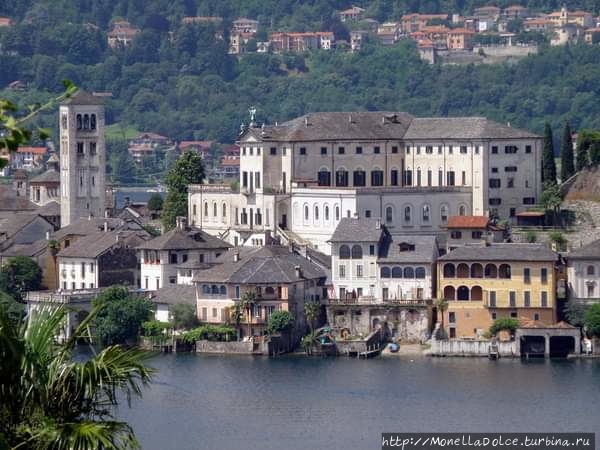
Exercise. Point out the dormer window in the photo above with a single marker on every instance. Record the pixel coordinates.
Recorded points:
(406, 247)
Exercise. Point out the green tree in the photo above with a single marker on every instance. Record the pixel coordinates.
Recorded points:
(440, 307)
(120, 319)
(188, 169)
(51, 399)
(551, 199)
(18, 275)
(548, 163)
(595, 153)
(575, 313)
(567, 167)
(583, 146)
(13, 309)
(312, 311)
(155, 202)
(247, 302)
(280, 322)
(184, 316)
(504, 323)
(592, 320)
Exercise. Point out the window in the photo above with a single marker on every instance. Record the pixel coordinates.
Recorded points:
(512, 296)
(394, 177)
(206, 209)
(305, 212)
(224, 211)
(452, 332)
(407, 149)
(476, 234)
(326, 209)
(80, 148)
(237, 292)
(510, 182)
(367, 213)
(494, 170)
(536, 316)
(91, 267)
(494, 149)
(341, 150)
(529, 200)
(408, 177)
(429, 149)
(450, 149)
(528, 149)
(385, 272)
(510, 169)
(323, 150)
(452, 317)
(420, 272)
(407, 213)
(418, 147)
(93, 150)
(590, 270)
(418, 176)
(337, 213)
(493, 299)
(316, 213)
(429, 177)
(359, 178)
(273, 150)
(456, 234)
(344, 252)
(341, 178)
(450, 178)
(527, 299)
(172, 280)
(303, 150)
(358, 150)
(342, 271)
(464, 178)
(389, 214)
(527, 275)
(371, 250)
(376, 150)
(495, 201)
(377, 177)
(544, 299)
(494, 316)
(357, 252)
(173, 258)
(495, 183)
(214, 210)
(82, 270)
(426, 213)
(510, 149)
(359, 271)
(544, 275)
(394, 149)
(590, 290)
(440, 177)
(444, 214)
(512, 212)
(463, 149)
(324, 177)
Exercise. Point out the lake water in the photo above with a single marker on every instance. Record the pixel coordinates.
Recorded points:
(294, 403)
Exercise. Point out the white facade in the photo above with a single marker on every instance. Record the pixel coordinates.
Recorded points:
(77, 273)
(83, 158)
(584, 279)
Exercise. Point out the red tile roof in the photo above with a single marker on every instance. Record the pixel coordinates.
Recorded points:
(35, 150)
(468, 221)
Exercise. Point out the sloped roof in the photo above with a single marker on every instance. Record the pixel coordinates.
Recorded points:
(49, 176)
(528, 323)
(462, 128)
(9, 201)
(357, 230)
(188, 239)
(17, 222)
(83, 227)
(83, 98)
(590, 251)
(96, 244)
(31, 250)
(173, 294)
(262, 265)
(425, 249)
(468, 221)
(501, 252)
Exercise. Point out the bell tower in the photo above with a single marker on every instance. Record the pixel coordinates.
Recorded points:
(82, 158)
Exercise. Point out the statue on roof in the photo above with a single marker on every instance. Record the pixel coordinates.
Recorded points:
(252, 112)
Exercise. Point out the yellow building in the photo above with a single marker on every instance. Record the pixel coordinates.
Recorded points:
(482, 283)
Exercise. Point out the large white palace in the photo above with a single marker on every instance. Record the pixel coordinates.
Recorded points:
(299, 178)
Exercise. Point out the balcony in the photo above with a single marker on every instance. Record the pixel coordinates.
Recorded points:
(365, 301)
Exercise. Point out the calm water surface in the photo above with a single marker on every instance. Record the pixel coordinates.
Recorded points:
(293, 403)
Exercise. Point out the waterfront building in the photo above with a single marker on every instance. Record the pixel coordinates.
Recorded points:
(161, 256)
(583, 273)
(279, 278)
(298, 179)
(482, 283)
(83, 158)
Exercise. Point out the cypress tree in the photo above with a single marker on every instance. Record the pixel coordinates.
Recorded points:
(567, 168)
(548, 164)
(582, 158)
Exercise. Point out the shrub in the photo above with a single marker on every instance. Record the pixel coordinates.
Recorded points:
(210, 333)
(531, 236)
(280, 322)
(592, 320)
(505, 323)
(155, 327)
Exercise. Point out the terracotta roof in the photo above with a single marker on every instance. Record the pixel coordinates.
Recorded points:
(528, 323)
(230, 161)
(34, 150)
(4, 21)
(530, 214)
(468, 221)
(461, 31)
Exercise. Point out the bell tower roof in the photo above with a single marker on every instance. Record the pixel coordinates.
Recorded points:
(83, 98)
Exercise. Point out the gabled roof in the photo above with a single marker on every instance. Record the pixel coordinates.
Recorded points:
(30, 250)
(34, 150)
(501, 252)
(18, 222)
(188, 239)
(462, 128)
(590, 251)
(357, 230)
(260, 265)
(49, 209)
(95, 244)
(468, 222)
(49, 176)
(83, 227)
(83, 98)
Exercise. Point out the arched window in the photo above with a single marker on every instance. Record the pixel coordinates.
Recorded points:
(206, 209)
(327, 213)
(504, 271)
(476, 270)
(357, 252)
(426, 213)
(269, 290)
(462, 293)
(93, 121)
(590, 270)
(409, 272)
(420, 272)
(444, 213)
(449, 271)
(79, 122)
(491, 271)
(377, 177)
(344, 252)
(224, 212)
(389, 214)
(341, 177)
(205, 289)
(476, 293)
(449, 293)
(305, 212)
(223, 290)
(407, 214)
(359, 177)
(462, 271)
(385, 272)
(316, 213)
(397, 272)
(429, 177)
(214, 289)
(324, 176)
(214, 210)
(86, 122)
(337, 213)
(418, 176)
(462, 210)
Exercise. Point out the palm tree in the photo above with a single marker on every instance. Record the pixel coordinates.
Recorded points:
(246, 303)
(49, 399)
(312, 311)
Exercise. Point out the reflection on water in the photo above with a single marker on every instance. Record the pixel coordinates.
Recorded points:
(215, 402)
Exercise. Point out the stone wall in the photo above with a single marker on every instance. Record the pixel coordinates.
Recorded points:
(224, 347)
(460, 347)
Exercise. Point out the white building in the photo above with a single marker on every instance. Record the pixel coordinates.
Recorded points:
(299, 178)
(583, 273)
(161, 257)
(83, 157)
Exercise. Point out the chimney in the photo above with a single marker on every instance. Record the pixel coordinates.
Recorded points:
(350, 118)
(105, 226)
(306, 121)
(298, 272)
(106, 214)
(378, 224)
(47, 235)
(236, 255)
(181, 222)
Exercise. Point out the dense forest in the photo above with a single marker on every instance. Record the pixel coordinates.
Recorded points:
(178, 80)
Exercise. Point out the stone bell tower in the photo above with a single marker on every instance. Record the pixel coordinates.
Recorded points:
(82, 158)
